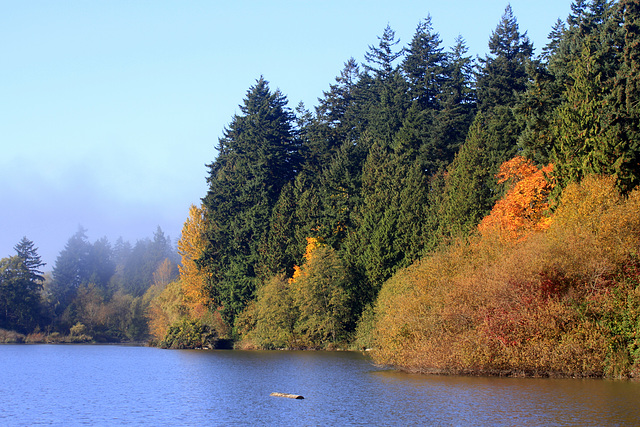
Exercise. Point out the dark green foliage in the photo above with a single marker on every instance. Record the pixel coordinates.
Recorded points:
(433, 135)
(457, 107)
(337, 119)
(257, 156)
(470, 187)
(28, 253)
(380, 59)
(19, 299)
(388, 230)
(425, 66)
(388, 102)
(625, 96)
(580, 110)
(502, 74)
(189, 334)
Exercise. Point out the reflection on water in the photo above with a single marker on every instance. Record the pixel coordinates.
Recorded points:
(111, 385)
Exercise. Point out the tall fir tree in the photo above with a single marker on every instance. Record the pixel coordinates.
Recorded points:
(624, 99)
(380, 59)
(470, 187)
(335, 121)
(425, 66)
(19, 297)
(28, 253)
(70, 270)
(503, 74)
(257, 156)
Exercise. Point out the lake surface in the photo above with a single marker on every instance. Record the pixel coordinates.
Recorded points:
(120, 385)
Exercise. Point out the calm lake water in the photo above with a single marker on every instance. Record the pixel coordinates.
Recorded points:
(116, 385)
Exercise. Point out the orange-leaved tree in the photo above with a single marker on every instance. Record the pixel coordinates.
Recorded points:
(525, 206)
(313, 243)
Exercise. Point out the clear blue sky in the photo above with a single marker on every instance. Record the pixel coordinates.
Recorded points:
(110, 110)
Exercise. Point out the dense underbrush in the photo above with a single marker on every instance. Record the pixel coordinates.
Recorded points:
(564, 301)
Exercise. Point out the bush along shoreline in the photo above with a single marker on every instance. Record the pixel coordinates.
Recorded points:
(563, 302)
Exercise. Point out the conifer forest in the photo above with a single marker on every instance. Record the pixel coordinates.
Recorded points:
(446, 213)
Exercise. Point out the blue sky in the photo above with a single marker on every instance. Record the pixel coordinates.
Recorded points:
(111, 109)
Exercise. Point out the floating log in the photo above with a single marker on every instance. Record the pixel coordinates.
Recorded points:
(288, 395)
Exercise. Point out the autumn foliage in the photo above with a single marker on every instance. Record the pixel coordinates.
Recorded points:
(193, 278)
(180, 312)
(308, 310)
(525, 206)
(564, 301)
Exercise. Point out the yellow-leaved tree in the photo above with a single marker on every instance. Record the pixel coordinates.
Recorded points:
(193, 278)
(164, 301)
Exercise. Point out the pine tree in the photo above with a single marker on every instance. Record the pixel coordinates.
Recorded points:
(470, 187)
(457, 106)
(389, 225)
(335, 121)
(592, 129)
(100, 264)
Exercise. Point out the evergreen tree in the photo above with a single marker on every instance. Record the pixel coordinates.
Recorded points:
(502, 73)
(625, 93)
(383, 95)
(19, 298)
(470, 187)
(433, 135)
(389, 224)
(340, 191)
(322, 135)
(31, 260)
(590, 130)
(278, 254)
(145, 258)
(425, 66)
(336, 105)
(380, 59)
(100, 264)
(588, 26)
(388, 104)
(70, 270)
(555, 38)
(256, 157)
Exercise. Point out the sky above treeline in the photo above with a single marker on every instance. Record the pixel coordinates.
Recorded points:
(111, 109)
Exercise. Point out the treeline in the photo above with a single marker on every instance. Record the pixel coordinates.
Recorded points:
(310, 214)
(452, 214)
(95, 291)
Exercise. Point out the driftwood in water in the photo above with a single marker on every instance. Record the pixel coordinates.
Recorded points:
(290, 396)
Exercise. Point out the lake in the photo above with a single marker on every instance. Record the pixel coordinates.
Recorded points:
(121, 385)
